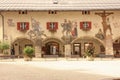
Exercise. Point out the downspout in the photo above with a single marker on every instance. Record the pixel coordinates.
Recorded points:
(2, 24)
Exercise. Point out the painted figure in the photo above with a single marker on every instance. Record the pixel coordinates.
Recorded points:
(74, 29)
(36, 26)
(100, 34)
(36, 32)
(66, 27)
(109, 27)
(105, 22)
(69, 31)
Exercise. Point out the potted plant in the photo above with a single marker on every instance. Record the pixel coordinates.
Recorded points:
(28, 53)
(4, 47)
(89, 53)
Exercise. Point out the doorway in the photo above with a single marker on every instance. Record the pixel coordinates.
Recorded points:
(85, 41)
(86, 45)
(52, 48)
(77, 49)
(19, 44)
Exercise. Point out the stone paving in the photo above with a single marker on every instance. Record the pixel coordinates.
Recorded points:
(62, 69)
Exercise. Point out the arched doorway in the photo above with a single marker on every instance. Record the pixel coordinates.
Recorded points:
(79, 46)
(53, 46)
(19, 44)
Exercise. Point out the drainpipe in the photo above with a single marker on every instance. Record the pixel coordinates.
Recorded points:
(2, 24)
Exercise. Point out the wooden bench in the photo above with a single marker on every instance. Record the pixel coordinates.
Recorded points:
(109, 56)
(50, 56)
(73, 56)
(117, 55)
(7, 57)
(10, 56)
(106, 56)
(102, 55)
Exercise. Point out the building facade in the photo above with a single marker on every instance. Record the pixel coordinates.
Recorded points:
(60, 29)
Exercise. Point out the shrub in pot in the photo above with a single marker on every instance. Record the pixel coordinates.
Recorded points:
(28, 53)
(89, 53)
(4, 47)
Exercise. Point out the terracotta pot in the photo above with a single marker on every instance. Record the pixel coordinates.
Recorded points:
(89, 58)
(27, 59)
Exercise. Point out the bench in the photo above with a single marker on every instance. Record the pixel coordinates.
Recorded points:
(10, 56)
(106, 56)
(117, 55)
(50, 56)
(73, 56)
(7, 57)
(109, 56)
(102, 55)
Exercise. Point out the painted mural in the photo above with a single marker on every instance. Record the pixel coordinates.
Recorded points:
(116, 23)
(100, 34)
(69, 30)
(36, 32)
(105, 22)
(10, 22)
(96, 25)
(74, 30)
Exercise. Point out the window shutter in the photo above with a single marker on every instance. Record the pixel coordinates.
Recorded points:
(81, 25)
(27, 25)
(89, 24)
(56, 25)
(18, 25)
(48, 25)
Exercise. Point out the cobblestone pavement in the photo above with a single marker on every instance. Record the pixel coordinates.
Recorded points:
(59, 70)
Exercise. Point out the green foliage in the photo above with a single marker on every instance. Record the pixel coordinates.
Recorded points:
(6, 52)
(4, 46)
(28, 51)
(87, 53)
(90, 51)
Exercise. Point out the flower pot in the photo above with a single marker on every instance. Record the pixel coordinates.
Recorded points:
(89, 58)
(27, 59)
(28, 53)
